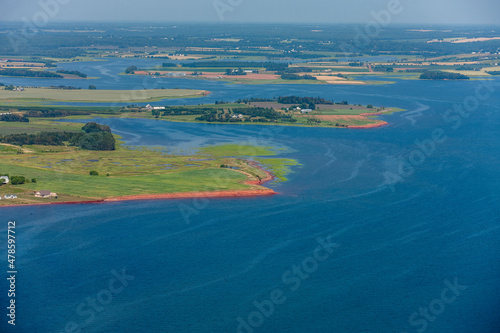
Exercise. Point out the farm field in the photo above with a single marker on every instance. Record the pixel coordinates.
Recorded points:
(46, 95)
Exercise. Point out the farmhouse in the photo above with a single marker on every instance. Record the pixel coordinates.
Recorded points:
(149, 107)
(45, 194)
(10, 196)
(159, 108)
(306, 110)
(6, 179)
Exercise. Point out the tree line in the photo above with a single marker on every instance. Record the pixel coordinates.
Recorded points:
(439, 75)
(28, 73)
(11, 118)
(93, 137)
(77, 73)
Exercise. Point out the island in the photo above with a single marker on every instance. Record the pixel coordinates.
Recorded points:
(69, 163)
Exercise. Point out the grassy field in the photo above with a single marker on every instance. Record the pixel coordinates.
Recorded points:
(44, 95)
(65, 171)
(36, 126)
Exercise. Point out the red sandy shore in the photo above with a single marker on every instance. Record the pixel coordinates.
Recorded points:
(187, 195)
(384, 123)
(182, 195)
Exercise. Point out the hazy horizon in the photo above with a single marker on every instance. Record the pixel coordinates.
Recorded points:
(321, 12)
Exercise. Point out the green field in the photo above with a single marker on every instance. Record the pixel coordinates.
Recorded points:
(65, 171)
(35, 96)
(36, 126)
(86, 186)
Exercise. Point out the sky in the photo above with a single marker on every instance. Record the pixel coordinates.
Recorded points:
(260, 11)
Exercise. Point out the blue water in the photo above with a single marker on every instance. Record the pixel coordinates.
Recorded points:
(404, 219)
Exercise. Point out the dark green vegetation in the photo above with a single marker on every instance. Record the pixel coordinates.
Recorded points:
(11, 118)
(76, 73)
(93, 137)
(494, 73)
(297, 77)
(130, 69)
(439, 75)
(303, 100)
(28, 73)
(253, 114)
(269, 66)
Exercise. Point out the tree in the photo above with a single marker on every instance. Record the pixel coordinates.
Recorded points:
(17, 180)
(92, 87)
(130, 70)
(93, 127)
(97, 141)
(94, 173)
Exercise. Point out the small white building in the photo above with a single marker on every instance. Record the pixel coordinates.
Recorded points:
(10, 196)
(159, 108)
(306, 110)
(45, 194)
(149, 107)
(6, 179)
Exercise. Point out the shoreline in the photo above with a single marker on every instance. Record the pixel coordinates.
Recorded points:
(250, 193)
(369, 125)
(161, 196)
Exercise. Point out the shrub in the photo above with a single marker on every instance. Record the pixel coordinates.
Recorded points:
(94, 173)
(17, 180)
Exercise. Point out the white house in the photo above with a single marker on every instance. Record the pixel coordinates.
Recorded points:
(149, 107)
(10, 196)
(159, 108)
(306, 110)
(6, 179)
(45, 194)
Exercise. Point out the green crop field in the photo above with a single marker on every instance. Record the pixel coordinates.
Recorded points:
(36, 126)
(45, 95)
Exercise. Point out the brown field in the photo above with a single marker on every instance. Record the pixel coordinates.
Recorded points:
(23, 65)
(182, 57)
(470, 40)
(249, 76)
(338, 80)
(343, 119)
